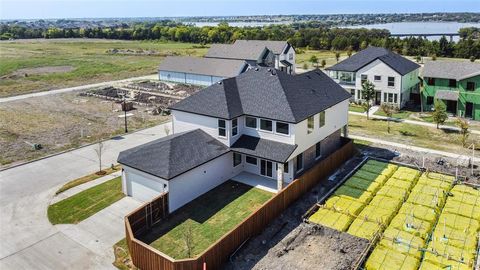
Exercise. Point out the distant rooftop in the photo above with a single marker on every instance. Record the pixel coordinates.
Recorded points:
(203, 66)
(457, 70)
(232, 51)
(357, 61)
(277, 47)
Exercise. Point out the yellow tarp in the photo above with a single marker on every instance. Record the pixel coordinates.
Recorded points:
(460, 254)
(392, 191)
(386, 259)
(393, 204)
(431, 201)
(359, 195)
(331, 219)
(434, 182)
(445, 262)
(406, 174)
(454, 237)
(411, 224)
(465, 189)
(427, 265)
(419, 211)
(360, 183)
(465, 198)
(405, 185)
(458, 222)
(439, 176)
(344, 205)
(364, 229)
(402, 241)
(428, 190)
(466, 210)
(377, 213)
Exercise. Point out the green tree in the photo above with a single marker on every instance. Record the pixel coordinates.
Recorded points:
(323, 63)
(368, 93)
(389, 110)
(337, 56)
(463, 125)
(305, 66)
(439, 113)
(472, 59)
(349, 51)
(418, 58)
(434, 57)
(314, 60)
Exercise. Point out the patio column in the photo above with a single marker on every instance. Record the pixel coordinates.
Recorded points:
(280, 171)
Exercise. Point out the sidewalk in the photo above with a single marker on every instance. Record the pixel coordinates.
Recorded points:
(413, 122)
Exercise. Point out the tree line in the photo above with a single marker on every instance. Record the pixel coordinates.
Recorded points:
(312, 35)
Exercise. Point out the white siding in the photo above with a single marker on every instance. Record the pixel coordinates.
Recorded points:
(172, 76)
(198, 79)
(335, 118)
(142, 186)
(188, 186)
(290, 139)
(188, 78)
(183, 121)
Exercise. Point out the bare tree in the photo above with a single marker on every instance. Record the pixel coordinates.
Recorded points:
(99, 151)
(463, 125)
(187, 234)
(389, 110)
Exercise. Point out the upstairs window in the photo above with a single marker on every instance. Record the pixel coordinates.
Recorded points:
(290, 56)
(310, 125)
(266, 125)
(321, 119)
(452, 83)
(470, 86)
(352, 92)
(431, 81)
(222, 131)
(237, 159)
(364, 78)
(282, 128)
(234, 127)
(377, 78)
(285, 167)
(251, 122)
(251, 160)
(391, 81)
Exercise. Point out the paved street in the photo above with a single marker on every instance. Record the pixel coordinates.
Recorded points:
(76, 88)
(28, 240)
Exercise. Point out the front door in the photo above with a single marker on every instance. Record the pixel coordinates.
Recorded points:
(266, 168)
(469, 110)
(378, 96)
(452, 107)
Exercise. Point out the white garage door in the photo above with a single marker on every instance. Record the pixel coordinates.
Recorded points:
(141, 188)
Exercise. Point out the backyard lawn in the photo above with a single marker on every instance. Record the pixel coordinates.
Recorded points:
(399, 114)
(356, 108)
(206, 219)
(86, 203)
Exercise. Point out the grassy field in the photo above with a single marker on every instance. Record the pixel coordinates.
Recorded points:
(399, 114)
(86, 203)
(328, 56)
(87, 178)
(206, 219)
(410, 134)
(356, 108)
(83, 60)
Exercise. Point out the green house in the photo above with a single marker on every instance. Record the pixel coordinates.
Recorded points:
(455, 83)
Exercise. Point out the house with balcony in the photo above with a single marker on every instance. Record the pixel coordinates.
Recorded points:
(395, 77)
(455, 83)
(263, 128)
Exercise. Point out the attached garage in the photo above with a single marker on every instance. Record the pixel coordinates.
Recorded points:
(142, 186)
(199, 71)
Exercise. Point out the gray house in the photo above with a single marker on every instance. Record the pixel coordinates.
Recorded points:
(199, 71)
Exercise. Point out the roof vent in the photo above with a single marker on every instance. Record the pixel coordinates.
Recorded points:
(256, 69)
(219, 82)
(269, 69)
(273, 72)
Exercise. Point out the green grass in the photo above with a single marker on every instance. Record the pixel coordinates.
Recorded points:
(89, 58)
(87, 178)
(206, 219)
(328, 56)
(356, 108)
(399, 114)
(123, 261)
(410, 134)
(86, 203)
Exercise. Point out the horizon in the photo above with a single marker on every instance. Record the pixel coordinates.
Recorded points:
(109, 9)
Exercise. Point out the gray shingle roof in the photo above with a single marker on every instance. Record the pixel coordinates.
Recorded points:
(173, 155)
(262, 148)
(282, 97)
(204, 66)
(277, 47)
(397, 62)
(458, 70)
(447, 95)
(232, 51)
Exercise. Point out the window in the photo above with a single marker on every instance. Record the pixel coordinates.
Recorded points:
(470, 86)
(359, 94)
(452, 83)
(391, 81)
(390, 97)
(429, 100)
(285, 167)
(377, 78)
(266, 125)
(318, 150)
(364, 78)
(234, 127)
(250, 122)
(237, 159)
(300, 162)
(222, 131)
(290, 56)
(395, 98)
(431, 81)
(334, 74)
(321, 119)
(251, 160)
(352, 92)
(282, 128)
(310, 125)
(385, 95)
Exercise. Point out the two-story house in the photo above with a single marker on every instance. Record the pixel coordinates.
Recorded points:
(262, 124)
(394, 76)
(455, 83)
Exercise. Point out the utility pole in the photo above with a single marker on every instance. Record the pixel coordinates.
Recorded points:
(125, 111)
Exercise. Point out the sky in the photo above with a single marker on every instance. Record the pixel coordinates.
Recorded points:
(48, 9)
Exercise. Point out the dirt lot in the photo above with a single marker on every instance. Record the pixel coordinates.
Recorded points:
(60, 122)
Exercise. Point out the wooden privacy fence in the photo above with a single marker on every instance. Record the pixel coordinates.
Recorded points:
(148, 258)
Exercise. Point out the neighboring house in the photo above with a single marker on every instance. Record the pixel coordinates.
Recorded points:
(395, 77)
(261, 124)
(199, 71)
(455, 83)
(284, 52)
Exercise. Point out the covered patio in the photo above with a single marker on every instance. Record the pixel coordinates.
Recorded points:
(258, 181)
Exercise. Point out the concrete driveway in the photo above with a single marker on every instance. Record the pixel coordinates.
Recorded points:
(29, 241)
